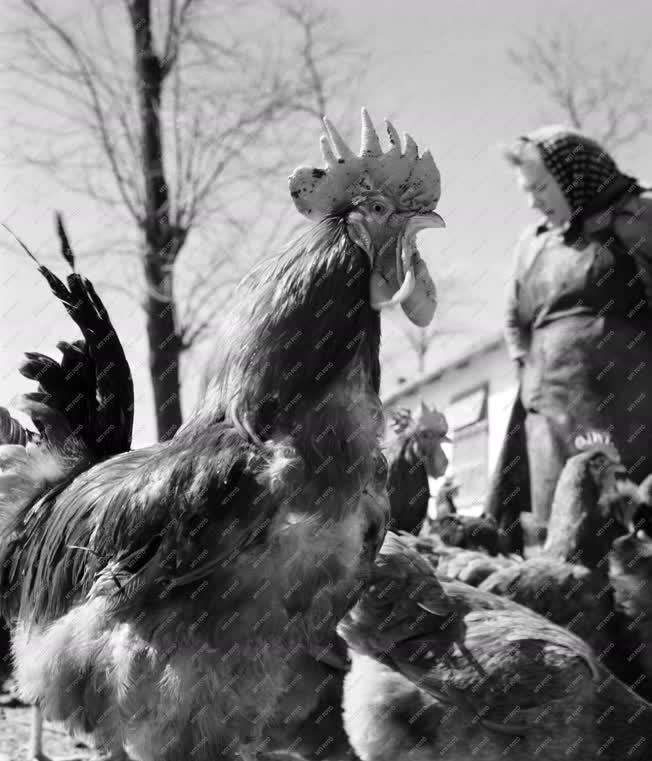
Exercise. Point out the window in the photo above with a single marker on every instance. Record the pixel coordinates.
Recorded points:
(468, 408)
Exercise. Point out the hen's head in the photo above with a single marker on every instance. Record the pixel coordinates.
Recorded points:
(630, 565)
(593, 489)
(386, 198)
(401, 599)
(634, 551)
(605, 475)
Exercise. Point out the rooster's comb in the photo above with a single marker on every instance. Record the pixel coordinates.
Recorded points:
(592, 439)
(411, 181)
(401, 419)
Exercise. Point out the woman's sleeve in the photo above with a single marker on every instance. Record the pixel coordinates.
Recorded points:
(634, 229)
(516, 334)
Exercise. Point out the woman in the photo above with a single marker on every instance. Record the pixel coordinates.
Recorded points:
(578, 318)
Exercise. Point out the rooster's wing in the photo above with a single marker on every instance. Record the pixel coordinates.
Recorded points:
(139, 527)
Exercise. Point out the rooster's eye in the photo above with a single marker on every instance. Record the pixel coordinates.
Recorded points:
(379, 208)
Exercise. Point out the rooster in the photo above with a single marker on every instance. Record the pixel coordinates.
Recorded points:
(161, 594)
(414, 454)
(440, 669)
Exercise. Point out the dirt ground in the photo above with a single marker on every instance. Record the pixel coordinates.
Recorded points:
(14, 734)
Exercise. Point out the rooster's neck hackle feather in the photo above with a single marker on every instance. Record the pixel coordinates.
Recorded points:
(298, 361)
(289, 321)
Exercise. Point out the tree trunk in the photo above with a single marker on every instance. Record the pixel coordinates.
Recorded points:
(162, 240)
(164, 347)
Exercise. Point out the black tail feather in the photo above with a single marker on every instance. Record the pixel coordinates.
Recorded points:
(41, 368)
(66, 250)
(52, 424)
(91, 387)
(11, 431)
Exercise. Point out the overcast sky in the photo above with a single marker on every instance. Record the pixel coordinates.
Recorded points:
(441, 71)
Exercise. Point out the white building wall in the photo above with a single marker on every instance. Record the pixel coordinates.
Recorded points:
(491, 366)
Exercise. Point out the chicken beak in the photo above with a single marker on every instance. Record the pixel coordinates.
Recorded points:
(334, 656)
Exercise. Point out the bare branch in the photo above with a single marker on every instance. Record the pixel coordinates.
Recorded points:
(177, 116)
(86, 70)
(607, 96)
(307, 21)
(176, 27)
(120, 288)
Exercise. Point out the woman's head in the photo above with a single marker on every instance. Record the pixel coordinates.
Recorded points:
(563, 172)
(542, 190)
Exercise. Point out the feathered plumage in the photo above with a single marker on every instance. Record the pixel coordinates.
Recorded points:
(405, 619)
(538, 688)
(630, 574)
(85, 401)
(312, 727)
(161, 593)
(568, 581)
(470, 532)
(83, 413)
(193, 531)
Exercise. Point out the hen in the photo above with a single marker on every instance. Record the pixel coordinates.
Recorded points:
(630, 574)
(471, 533)
(161, 594)
(446, 496)
(516, 686)
(568, 582)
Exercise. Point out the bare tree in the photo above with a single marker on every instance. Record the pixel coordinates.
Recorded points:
(422, 340)
(591, 85)
(153, 108)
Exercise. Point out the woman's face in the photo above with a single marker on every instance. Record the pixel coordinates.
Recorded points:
(543, 192)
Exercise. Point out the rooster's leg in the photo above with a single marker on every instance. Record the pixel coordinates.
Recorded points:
(36, 735)
(36, 742)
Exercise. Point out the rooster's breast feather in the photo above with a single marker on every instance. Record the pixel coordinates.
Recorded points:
(138, 527)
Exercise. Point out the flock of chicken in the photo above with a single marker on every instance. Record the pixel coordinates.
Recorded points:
(256, 587)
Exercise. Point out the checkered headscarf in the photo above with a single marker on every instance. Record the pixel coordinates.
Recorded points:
(582, 168)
